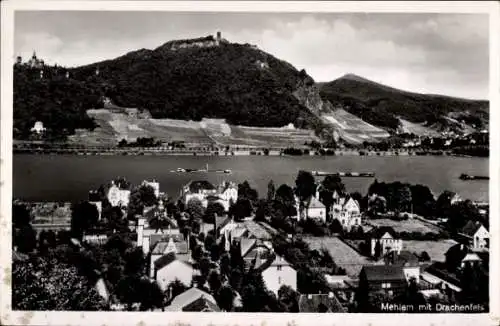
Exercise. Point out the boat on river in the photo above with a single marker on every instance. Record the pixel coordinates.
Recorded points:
(466, 177)
(345, 174)
(205, 170)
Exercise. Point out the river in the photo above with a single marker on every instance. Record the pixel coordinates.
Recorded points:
(69, 177)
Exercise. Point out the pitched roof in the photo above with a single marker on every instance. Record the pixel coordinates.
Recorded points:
(404, 258)
(167, 259)
(154, 239)
(195, 186)
(246, 244)
(383, 273)
(317, 302)
(257, 230)
(471, 257)
(471, 228)
(188, 297)
(379, 232)
(314, 203)
(202, 304)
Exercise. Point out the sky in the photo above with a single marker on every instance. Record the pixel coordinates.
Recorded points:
(429, 53)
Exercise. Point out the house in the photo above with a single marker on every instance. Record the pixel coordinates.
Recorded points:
(38, 128)
(387, 278)
(387, 239)
(153, 184)
(147, 235)
(455, 199)
(225, 194)
(169, 245)
(477, 235)
(407, 260)
(194, 299)
(471, 259)
(320, 303)
(168, 268)
(347, 212)
(275, 270)
(118, 195)
(314, 209)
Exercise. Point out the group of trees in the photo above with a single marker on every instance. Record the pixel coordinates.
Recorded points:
(140, 142)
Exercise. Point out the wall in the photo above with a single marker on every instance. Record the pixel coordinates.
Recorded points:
(174, 270)
(274, 279)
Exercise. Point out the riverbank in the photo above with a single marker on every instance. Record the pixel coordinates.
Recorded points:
(249, 152)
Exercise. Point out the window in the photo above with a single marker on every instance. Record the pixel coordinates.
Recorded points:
(278, 267)
(386, 285)
(279, 279)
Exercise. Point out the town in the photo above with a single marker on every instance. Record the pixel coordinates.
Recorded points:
(309, 247)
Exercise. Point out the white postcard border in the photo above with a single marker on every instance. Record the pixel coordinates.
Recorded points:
(9, 317)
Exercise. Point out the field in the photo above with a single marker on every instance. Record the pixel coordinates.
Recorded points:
(435, 249)
(343, 255)
(410, 225)
(116, 125)
(417, 128)
(352, 129)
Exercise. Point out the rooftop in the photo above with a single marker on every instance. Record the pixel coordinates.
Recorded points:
(189, 297)
(319, 303)
(383, 273)
(471, 228)
(198, 185)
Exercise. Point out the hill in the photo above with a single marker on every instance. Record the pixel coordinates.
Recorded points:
(384, 106)
(184, 79)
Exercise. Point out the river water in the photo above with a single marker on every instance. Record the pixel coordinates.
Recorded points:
(70, 177)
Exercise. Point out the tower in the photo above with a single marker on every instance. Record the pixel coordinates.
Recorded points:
(218, 38)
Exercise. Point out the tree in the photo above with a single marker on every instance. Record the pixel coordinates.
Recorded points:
(134, 261)
(270, 190)
(424, 256)
(195, 209)
(175, 288)
(378, 249)
(214, 281)
(25, 239)
(225, 298)
(334, 183)
(213, 208)
(40, 285)
(140, 197)
(247, 192)
(423, 200)
(84, 215)
(289, 298)
(305, 185)
(20, 215)
(443, 203)
(241, 209)
(115, 220)
(403, 198)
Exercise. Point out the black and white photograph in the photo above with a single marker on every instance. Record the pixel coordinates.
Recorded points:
(329, 162)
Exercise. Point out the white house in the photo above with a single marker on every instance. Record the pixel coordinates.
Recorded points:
(225, 194)
(388, 239)
(168, 269)
(477, 235)
(163, 247)
(38, 128)
(314, 209)
(278, 272)
(147, 236)
(117, 196)
(347, 213)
